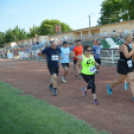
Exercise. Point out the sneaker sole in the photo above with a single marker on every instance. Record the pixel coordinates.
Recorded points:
(108, 89)
(83, 93)
(95, 104)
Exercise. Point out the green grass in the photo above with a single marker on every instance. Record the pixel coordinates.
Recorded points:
(23, 114)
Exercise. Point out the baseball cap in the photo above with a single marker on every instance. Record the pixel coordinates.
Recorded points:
(65, 42)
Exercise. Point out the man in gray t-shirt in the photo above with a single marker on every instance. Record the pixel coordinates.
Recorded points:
(97, 51)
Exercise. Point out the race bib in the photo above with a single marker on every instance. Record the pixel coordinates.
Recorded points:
(98, 51)
(66, 54)
(54, 57)
(129, 63)
(92, 69)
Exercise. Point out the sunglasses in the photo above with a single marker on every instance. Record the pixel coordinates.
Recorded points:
(88, 50)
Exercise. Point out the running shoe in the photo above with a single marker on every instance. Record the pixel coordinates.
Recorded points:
(109, 90)
(126, 85)
(95, 102)
(54, 92)
(97, 72)
(63, 80)
(50, 87)
(75, 77)
(84, 92)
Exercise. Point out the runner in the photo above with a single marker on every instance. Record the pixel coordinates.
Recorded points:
(125, 67)
(97, 50)
(71, 49)
(131, 45)
(52, 55)
(78, 49)
(65, 52)
(88, 71)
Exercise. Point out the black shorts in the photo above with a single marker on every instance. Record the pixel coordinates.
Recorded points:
(88, 78)
(122, 67)
(65, 65)
(53, 70)
(133, 65)
(75, 61)
(98, 61)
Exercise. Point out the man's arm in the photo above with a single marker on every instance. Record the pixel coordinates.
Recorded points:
(60, 54)
(43, 55)
(74, 53)
(92, 52)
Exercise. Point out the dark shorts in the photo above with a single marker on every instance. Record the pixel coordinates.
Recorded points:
(122, 67)
(75, 61)
(53, 70)
(88, 78)
(98, 61)
(133, 65)
(65, 65)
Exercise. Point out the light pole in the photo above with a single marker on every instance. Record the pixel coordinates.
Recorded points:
(90, 19)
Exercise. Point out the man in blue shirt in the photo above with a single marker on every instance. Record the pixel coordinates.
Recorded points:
(51, 54)
(65, 52)
(97, 51)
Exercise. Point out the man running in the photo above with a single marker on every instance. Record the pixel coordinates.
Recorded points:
(78, 50)
(97, 50)
(65, 52)
(51, 54)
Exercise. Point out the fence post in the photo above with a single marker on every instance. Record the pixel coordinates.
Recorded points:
(112, 56)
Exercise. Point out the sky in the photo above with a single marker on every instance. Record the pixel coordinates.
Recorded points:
(26, 13)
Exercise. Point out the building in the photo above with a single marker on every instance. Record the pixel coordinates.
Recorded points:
(89, 32)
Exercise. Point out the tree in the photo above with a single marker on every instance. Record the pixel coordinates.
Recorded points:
(127, 10)
(2, 38)
(110, 12)
(34, 30)
(9, 36)
(48, 27)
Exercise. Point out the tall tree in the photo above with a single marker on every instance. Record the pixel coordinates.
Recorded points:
(2, 38)
(127, 9)
(34, 30)
(110, 12)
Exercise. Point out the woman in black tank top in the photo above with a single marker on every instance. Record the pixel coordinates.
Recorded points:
(124, 67)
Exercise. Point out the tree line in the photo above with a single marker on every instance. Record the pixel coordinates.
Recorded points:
(47, 27)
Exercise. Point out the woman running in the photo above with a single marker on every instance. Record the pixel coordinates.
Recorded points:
(88, 71)
(124, 67)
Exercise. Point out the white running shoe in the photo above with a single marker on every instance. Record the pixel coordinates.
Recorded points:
(63, 80)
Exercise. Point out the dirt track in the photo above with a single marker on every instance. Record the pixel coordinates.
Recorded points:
(115, 113)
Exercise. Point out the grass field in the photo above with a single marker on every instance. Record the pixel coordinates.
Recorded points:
(23, 114)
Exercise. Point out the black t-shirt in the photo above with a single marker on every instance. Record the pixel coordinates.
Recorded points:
(52, 56)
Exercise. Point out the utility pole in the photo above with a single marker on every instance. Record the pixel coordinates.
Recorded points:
(90, 19)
